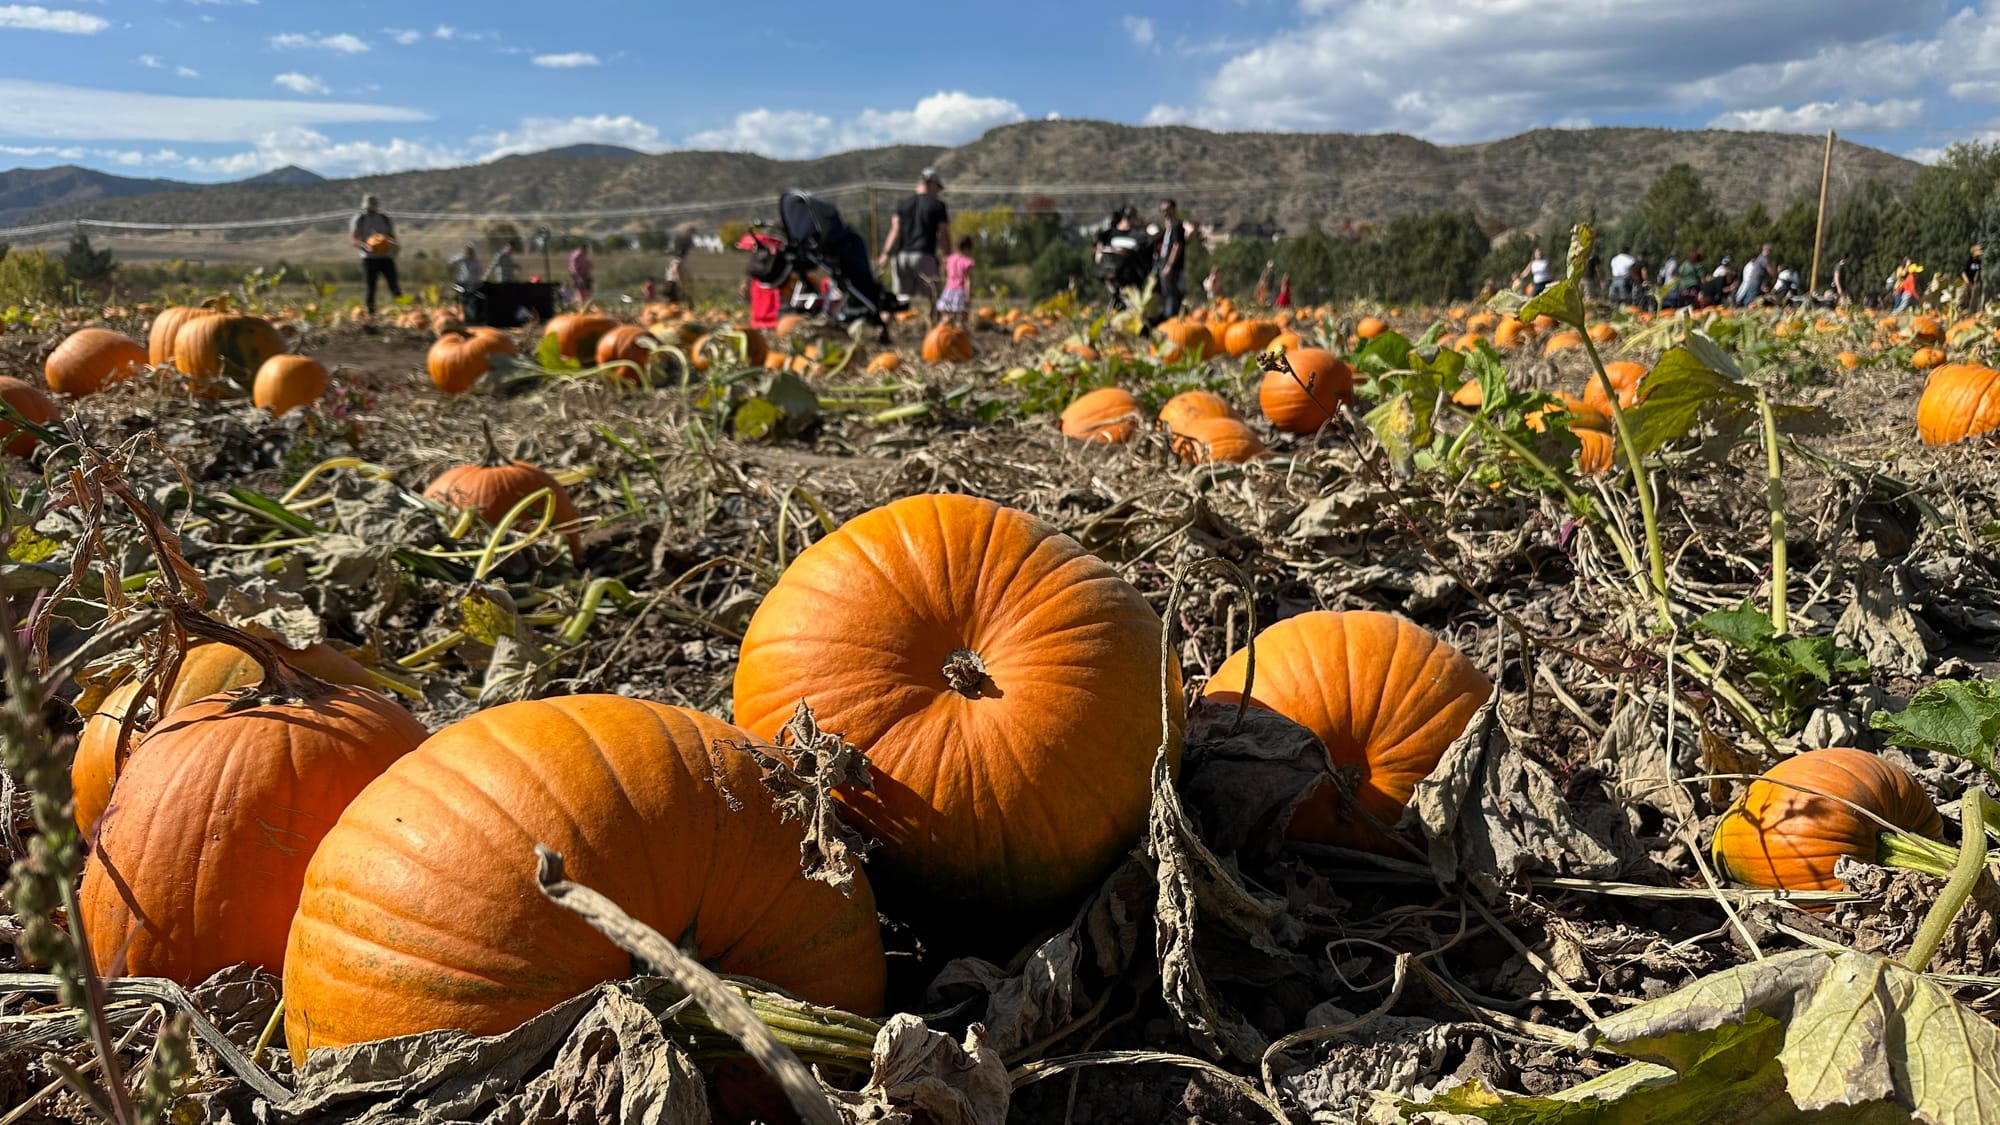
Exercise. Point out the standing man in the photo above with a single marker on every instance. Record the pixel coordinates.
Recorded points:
(1172, 260)
(375, 236)
(678, 249)
(1754, 276)
(1970, 276)
(1841, 276)
(465, 275)
(1621, 275)
(920, 226)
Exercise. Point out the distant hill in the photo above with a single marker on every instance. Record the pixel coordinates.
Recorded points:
(289, 174)
(1243, 181)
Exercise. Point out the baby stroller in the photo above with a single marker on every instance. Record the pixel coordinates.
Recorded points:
(816, 240)
(1124, 261)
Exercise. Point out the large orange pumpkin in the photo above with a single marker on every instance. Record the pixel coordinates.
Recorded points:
(420, 910)
(1961, 400)
(456, 361)
(1249, 336)
(1311, 395)
(90, 358)
(160, 338)
(288, 382)
(1200, 441)
(1185, 337)
(947, 343)
(1386, 698)
(1187, 406)
(492, 486)
(1107, 414)
(31, 403)
(216, 814)
(1777, 835)
(624, 343)
(226, 346)
(1003, 681)
(206, 669)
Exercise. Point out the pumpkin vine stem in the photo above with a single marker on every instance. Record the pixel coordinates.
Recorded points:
(491, 457)
(282, 681)
(1965, 875)
(965, 672)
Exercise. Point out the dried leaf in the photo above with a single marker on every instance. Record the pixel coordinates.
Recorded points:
(923, 1076)
(1245, 783)
(261, 600)
(1879, 625)
(805, 778)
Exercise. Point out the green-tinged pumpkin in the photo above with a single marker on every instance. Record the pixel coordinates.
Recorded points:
(226, 347)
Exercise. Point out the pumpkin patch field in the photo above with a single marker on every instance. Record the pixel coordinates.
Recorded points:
(1545, 711)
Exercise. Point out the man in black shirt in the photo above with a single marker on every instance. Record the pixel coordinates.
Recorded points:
(1970, 276)
(1172, 259)
(921, 225)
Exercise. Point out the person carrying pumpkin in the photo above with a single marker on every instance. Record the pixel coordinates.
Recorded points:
(375, 237)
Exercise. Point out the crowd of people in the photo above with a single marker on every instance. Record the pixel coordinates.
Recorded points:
(1687, 281)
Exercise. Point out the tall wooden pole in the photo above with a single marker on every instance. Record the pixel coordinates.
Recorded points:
(1819, 221)
(874, 242)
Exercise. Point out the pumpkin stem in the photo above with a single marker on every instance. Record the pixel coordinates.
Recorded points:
(491, 459)
(965, 672)
(282, 681)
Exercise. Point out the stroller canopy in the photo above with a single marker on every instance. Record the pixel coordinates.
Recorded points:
(808, 218)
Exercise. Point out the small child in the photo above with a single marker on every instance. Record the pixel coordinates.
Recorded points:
(957, 295)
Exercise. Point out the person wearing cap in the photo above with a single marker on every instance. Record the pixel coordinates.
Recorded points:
(375, 237)
(919, 228)
(1906, 284)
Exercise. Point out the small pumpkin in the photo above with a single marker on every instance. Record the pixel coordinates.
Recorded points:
(973, 653)
(1923, 359)
(492, 486)
(225, 346)
(456, 362)
(90, 358)
(884, 363)
(1385, 697)
(627, 343)
(380, 244)
(166, 325)
(1562, 341)
(206, 669)
(1369, 327)
(218, 811)
(31, 403)
(420, 910)
(1778, 835)
(1960, 400)
(1625, 378)
(1184, 338)
(1310, 395)
(1187, 406)
(1107, 414)
(288, 382)
(1247, 336)
(947, 343)
(577, 334)
(1202, 441)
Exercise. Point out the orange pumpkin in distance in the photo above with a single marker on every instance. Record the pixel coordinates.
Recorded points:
(1384, 696)
(947, 343)
(1187, 406)
(90, 358)
(1107, 414)
(1310, 395)
(288, 382)
(1778, 835)
(1202, 441)
(31, 403)
(492, 486)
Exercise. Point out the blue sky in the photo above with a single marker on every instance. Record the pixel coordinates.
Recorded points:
(221, 89)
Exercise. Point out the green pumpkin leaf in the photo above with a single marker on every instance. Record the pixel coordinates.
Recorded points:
(31, 546)
(1745, 627)
(1563, 301)
(1389, 351)
(756, 417)
(1956, 717)
(1676, 393)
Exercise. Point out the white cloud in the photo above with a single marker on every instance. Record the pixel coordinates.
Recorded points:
(1452, 71)
(445, 31)
(45, 110)
(537, 134)
(300, 83)
(1814, 117)
(1139, 29)
(944, 118)
(344, 43)
(34, 17)
(151, 62)
(567, 60)
(185, 71)
(402, 36)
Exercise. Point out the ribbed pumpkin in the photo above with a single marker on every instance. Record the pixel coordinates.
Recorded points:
(1625, 377)
(1201, 441)
(1107, 414)
(1926, 330)
(90, 358)
(1246, 336)
(1187, 406)
(31, 403)
(166, 326)
(1780, 836)
(947, 343)
(1923, 359)
(217, 812)
(1301, 405)
(1961, 400)
(456, 361)
(492, 486)
(1595, 455)
(624, 343)
(206, 669)
(288, 382)
(1003, 681)
(1370, 327)
(1185, 337)
(225, 346)
(420, 909)
(1386, 698)
(577, 334)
